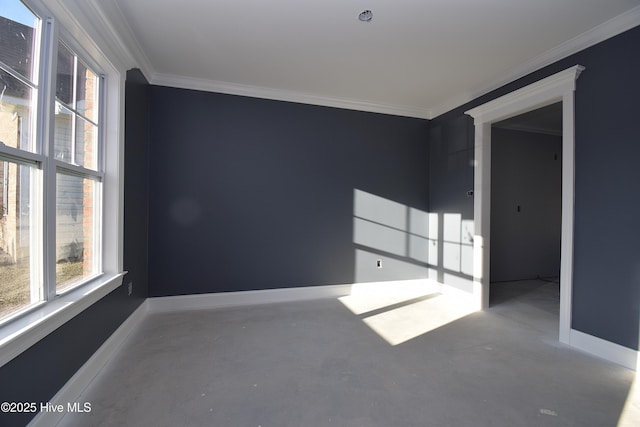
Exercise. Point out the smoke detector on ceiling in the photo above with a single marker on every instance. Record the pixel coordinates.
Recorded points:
(365, 16)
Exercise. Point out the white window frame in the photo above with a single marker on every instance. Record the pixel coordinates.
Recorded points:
(72, 169)
(25, 328)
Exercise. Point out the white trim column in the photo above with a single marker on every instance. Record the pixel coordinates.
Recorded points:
(555, 88)
(481, 214)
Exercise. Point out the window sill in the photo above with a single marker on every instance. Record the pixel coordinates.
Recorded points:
(23, 332)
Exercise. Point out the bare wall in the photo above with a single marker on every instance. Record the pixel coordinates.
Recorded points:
(251, 193)
(526, 204)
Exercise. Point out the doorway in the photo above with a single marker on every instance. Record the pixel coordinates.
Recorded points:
(559, 87)
(526, 212)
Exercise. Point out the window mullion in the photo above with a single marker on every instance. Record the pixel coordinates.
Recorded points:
(36, 215)
(78, 171)
(48, 175)
(18, 76)
(19, 156)
(74, 103)
(100, 163)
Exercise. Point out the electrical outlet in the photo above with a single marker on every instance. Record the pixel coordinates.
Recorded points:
(130, 288)
(379, 263)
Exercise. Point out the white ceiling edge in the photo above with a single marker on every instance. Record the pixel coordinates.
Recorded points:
(121, 31)
(283, 95)
(82, 27)
(123, 38)
(107, 24)
(597, 34)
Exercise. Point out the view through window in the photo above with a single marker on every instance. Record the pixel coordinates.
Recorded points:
(47, 183)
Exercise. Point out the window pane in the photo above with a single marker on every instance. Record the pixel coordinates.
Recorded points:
(15, 239)
(64, 75)
(87, 87)
(63, 134)
(17, 37)
(76, 111)
(76, 213)
(79, 147)
(15, 113)
(86, 144)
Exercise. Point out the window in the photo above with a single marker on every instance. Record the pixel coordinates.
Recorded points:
(20, 283)
(75, 148)
(55, 172)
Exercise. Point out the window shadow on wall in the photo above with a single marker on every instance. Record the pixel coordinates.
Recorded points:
(410, 254)
(394, 241)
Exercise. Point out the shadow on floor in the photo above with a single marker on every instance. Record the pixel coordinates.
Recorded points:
(317, 363)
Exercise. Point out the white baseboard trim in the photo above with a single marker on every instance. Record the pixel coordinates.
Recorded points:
(604, 349)
(73, 389)
(245, 298)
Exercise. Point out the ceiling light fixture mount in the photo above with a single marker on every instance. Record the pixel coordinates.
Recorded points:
(365, 16)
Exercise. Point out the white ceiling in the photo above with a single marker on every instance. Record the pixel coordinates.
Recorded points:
(416, 57)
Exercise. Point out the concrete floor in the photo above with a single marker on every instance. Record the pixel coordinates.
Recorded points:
(319, 363)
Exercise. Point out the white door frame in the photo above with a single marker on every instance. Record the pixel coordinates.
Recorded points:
(558, 87)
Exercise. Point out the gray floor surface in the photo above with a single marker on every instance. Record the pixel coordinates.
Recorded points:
(315, 363)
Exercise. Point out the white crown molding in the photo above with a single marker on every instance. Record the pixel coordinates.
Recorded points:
(526, 98)
(83, 23)
(103, 25)
(124, 36)
(600, 33)
(108, 22)
(283, 95)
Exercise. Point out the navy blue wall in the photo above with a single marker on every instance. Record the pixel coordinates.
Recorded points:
(136, 187)
(450, 179)
(606, 288)
(451, 165)
(526, 205)
(38, 373)
(250, 193)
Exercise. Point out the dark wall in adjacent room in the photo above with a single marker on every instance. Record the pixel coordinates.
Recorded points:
(38, 373)
(526, 204)
(606, 286)
(250, 193)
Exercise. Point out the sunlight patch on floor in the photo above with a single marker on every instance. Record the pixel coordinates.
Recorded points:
(366, 297)
(400, 311)
(630, 415)
(405, 323)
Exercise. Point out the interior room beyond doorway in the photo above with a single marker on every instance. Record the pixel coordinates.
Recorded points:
(526, 209)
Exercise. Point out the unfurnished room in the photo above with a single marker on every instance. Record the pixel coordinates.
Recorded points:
(307, 214)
